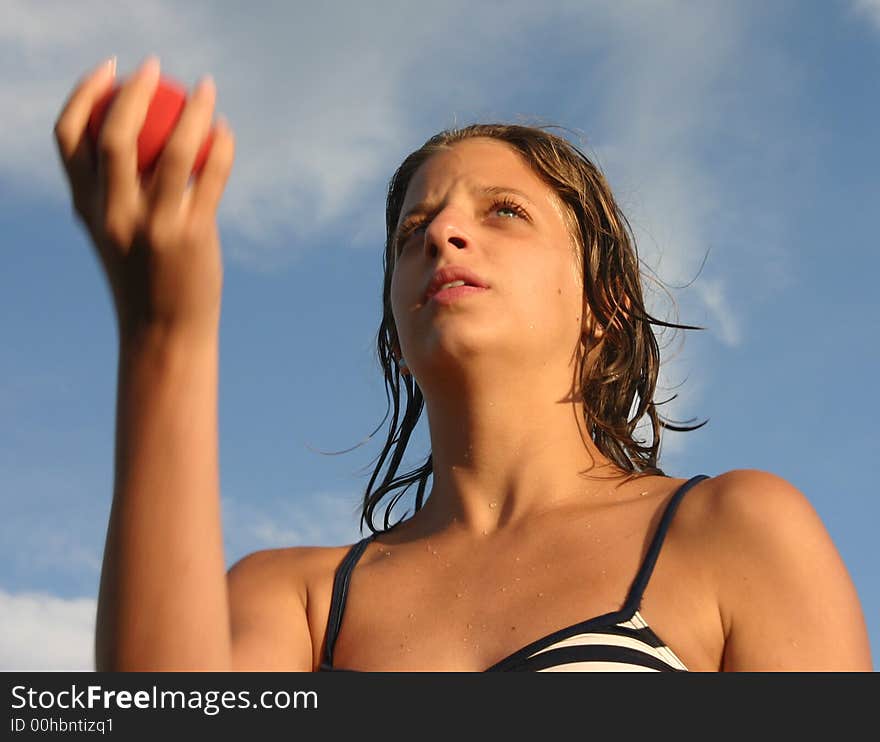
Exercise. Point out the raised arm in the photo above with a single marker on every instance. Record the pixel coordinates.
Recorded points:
(163, 596)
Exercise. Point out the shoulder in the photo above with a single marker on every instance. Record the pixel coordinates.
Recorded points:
(743, 512)
(753, 521)
(271, 601)
(289, 567)
(749, 504)
(785, 598)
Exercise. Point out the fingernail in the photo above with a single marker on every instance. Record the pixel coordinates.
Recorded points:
(150, 65)
(205, 84)
(105, 66)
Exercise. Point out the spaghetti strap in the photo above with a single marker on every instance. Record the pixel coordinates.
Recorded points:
(340, 593)
(634, 599)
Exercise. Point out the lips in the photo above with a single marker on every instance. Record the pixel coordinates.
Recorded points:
(453, 273)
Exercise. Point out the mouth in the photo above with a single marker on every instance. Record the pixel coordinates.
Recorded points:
(454, 293)
(454, 278)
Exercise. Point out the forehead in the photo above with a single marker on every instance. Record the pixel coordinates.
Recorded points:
(478, 161)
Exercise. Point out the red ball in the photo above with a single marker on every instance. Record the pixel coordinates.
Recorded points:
(162, 115)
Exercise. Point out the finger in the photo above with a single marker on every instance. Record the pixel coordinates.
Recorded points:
(71, 134)
(212, 180)
(174, 168)
(117, 147)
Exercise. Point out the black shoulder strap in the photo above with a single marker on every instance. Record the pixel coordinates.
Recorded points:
(634, 599)
(340, 592)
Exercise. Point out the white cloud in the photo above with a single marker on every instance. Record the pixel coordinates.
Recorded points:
(311, 94)
(325, 100)
(42, 632)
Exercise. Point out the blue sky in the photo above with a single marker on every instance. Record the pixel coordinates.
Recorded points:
(743, 133)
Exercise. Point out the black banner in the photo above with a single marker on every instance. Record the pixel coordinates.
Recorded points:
(265, 706)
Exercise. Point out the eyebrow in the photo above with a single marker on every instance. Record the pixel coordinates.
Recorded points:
(424, 207)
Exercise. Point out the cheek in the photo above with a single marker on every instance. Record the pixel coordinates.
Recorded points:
(564, 289)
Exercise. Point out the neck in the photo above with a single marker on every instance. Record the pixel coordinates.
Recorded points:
(505, 452)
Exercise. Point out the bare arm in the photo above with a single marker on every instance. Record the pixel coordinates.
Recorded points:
(166, 602)
(787, 600)
(162, 602)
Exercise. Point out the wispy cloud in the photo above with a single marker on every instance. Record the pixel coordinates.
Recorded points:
(316, 519)
(869, 9)
(42, 632)
(54, 523)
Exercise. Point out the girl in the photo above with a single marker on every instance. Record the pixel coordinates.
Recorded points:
(550, 539)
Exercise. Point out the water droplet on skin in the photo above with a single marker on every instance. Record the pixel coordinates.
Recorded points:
(485, 532)
(470, 626)
(493, 504)
(516, 579)
(503, 589)
(642, 494)
(540, 595)
(516, 559)
(458, 595)
(412, 615)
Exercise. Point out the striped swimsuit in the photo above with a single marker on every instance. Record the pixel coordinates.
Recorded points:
(617, 641)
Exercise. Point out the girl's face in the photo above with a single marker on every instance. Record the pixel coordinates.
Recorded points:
(478, 205)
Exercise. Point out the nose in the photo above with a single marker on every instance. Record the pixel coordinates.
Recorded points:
(446, 232)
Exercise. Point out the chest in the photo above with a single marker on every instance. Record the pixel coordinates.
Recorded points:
(425, 607)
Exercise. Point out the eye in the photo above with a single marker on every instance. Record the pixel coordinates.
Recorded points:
(508, 205)
(407, 230)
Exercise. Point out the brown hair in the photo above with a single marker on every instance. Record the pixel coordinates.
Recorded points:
(617, 387)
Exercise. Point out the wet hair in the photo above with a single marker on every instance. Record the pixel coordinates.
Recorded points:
(617, 386)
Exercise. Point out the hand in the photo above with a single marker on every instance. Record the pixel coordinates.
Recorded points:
(156, 236)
